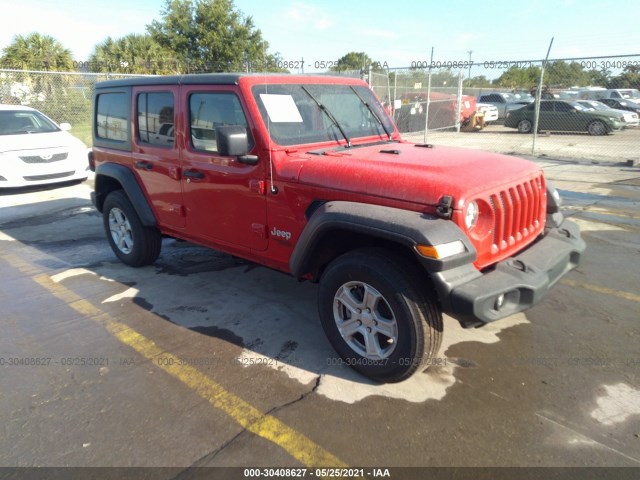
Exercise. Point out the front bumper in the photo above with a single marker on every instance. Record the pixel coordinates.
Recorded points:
(513, 285)
(618, 125)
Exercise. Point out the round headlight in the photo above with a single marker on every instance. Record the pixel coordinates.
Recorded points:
(471, 215)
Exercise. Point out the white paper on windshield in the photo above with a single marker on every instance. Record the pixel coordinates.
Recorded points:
(281, 108)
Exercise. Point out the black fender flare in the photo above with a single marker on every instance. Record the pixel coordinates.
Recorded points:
(125, 177)
(405, 227)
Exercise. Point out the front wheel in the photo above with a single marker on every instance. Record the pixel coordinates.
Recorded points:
(132, 242)
(374, 311)
(597, 128)
(525, 126)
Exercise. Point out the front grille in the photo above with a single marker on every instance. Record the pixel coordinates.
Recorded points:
(518, 213)
(56, 157)
(51, 176)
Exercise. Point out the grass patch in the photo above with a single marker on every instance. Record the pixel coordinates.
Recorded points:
(82, 130)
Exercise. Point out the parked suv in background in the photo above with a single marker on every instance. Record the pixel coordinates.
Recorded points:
(309, 176)
(504, 102)
(629, 94)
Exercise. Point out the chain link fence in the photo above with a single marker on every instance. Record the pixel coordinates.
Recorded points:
(64, 97)
(583, 108)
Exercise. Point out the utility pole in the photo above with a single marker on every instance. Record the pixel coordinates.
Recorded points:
(469, 52)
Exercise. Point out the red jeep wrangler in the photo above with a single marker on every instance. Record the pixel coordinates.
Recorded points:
(308, 175)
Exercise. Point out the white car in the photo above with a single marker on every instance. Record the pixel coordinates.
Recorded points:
(491, 112)
(34, 150)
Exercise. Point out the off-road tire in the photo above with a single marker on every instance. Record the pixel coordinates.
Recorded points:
(402, 294)
(132, 242)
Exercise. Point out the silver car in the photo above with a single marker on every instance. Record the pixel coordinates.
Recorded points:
(630, 117)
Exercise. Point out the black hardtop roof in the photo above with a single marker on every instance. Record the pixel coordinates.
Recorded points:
(191, 79)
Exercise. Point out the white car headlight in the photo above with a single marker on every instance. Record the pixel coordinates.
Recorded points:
(471, 215)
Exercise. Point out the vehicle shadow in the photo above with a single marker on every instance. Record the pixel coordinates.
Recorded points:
(38, 188)
(271, 316)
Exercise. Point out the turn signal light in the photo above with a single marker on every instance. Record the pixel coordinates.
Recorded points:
(441, 251)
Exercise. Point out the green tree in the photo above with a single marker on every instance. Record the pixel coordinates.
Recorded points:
(212, 35)
(598, 77)
(479, 82)
(132, 53)
(561, 74)
(36, 52)
(630, 78)
(358, 61)
(353, 61)
(518, 78)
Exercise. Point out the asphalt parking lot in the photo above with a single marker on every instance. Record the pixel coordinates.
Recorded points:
(206, 360)
(618, 146)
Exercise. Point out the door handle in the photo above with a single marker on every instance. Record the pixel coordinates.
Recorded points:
(189, 174)
(144, 165)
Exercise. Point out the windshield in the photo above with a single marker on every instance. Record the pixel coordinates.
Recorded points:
(20, 122)
(523, 96)
(294, 117)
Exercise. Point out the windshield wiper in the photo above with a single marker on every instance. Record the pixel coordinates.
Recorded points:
(328, 113)
(375, 115)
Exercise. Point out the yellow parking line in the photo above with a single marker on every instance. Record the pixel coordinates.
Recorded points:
(607, 291)
(249, 417)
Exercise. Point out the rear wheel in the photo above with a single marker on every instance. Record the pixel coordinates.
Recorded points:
(597, 128)
(376, 315)
(132, 242)
(524, 126)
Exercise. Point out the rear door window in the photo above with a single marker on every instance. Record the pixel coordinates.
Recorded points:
(112, 116)
(155, 113)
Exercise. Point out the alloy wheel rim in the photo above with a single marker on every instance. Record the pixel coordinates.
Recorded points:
(120, 229)
(365, 320)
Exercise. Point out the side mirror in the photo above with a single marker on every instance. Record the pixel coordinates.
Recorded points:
(232, 141)
(65, 126)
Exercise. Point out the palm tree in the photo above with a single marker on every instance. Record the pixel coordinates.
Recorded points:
(42, 53)
(36, 52)
(133, 53)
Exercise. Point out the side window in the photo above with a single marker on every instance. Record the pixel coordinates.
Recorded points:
(615, 94)
(207, 111)
(546, 106)
(563, 107)
(155, 118)
(112, 116)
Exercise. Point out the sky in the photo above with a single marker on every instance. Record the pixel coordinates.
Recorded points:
(393, 33)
